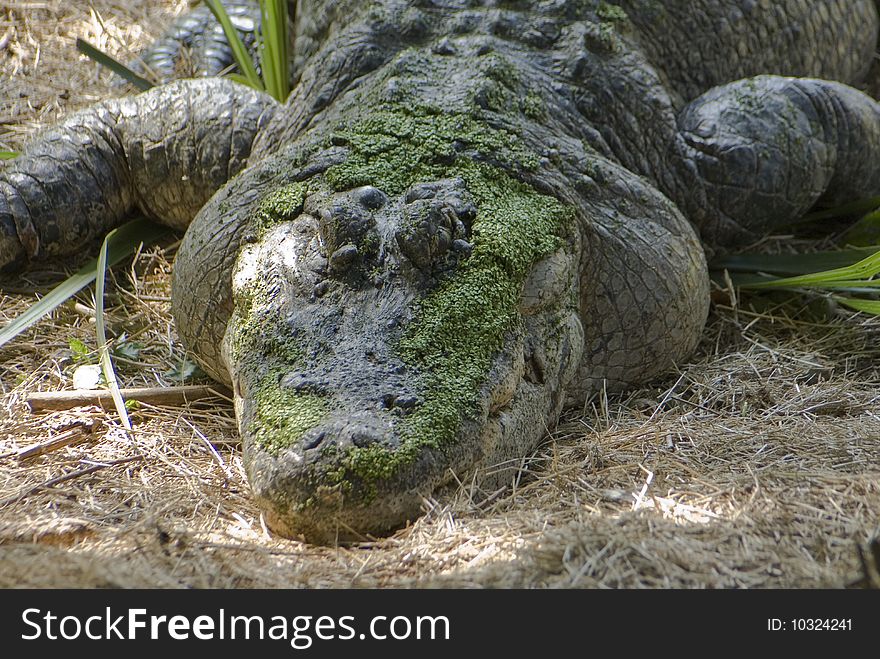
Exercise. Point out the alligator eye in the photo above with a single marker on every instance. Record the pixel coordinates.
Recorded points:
(437, 219)
(370, 198)
(348, 220)
(341, 259)
(426, 233)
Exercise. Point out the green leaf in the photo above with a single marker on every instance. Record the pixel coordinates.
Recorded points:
(854, 278)
(850, 271)
(792, 264)
(130, 350)
(79, 351)
(861, 271)
(9, 155)
(114, 65)
(123, 242)
(185, 370)
(239, 51)
(858, 207)
(240, 79)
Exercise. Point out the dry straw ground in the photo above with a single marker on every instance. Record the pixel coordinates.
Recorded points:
(757, 465)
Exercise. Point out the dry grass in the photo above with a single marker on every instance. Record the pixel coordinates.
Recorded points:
(758, 465)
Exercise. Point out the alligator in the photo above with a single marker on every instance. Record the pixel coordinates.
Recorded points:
(469, 216)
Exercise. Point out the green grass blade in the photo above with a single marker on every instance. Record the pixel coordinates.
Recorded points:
(125, 241)
(865, 306)
(104, 351)
(239, 51)
(274, 48)
(862, 270)
(792, 264)
(850, 284)
(240, 79)
(858, 207)
(9, 155)
(753, 280)
(114, 65)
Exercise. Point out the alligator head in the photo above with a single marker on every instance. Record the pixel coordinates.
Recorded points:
(382, 345)
(378, 355)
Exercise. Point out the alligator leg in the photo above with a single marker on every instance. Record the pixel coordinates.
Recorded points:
(741, 158)
(165, 151)
(643, 287)
(764, 150)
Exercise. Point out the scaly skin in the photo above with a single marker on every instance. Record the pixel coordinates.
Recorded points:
(463, 220)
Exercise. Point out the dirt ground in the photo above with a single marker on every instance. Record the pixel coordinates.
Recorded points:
(757, 465)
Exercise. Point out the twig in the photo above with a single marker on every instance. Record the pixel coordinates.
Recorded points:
(75, 432)
(170, 396)
(66, 438)
(66, 477)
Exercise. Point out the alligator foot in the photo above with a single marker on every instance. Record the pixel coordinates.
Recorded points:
(165, 152)
(765, 150)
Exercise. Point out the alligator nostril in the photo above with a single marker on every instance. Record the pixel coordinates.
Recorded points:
(407, 401)
(313, 438)
(462, 247)
(301, 383)
(363, 437)
(401, 404)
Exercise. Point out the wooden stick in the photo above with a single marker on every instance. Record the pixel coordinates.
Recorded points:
(66, 438)
(170, 396)
(71, 434)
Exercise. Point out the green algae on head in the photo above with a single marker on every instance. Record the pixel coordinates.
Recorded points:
(283, 416)
(281, 205)
(395, 148)
(256, 329)
(460, 327)
(533, 106)
(611, 13)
